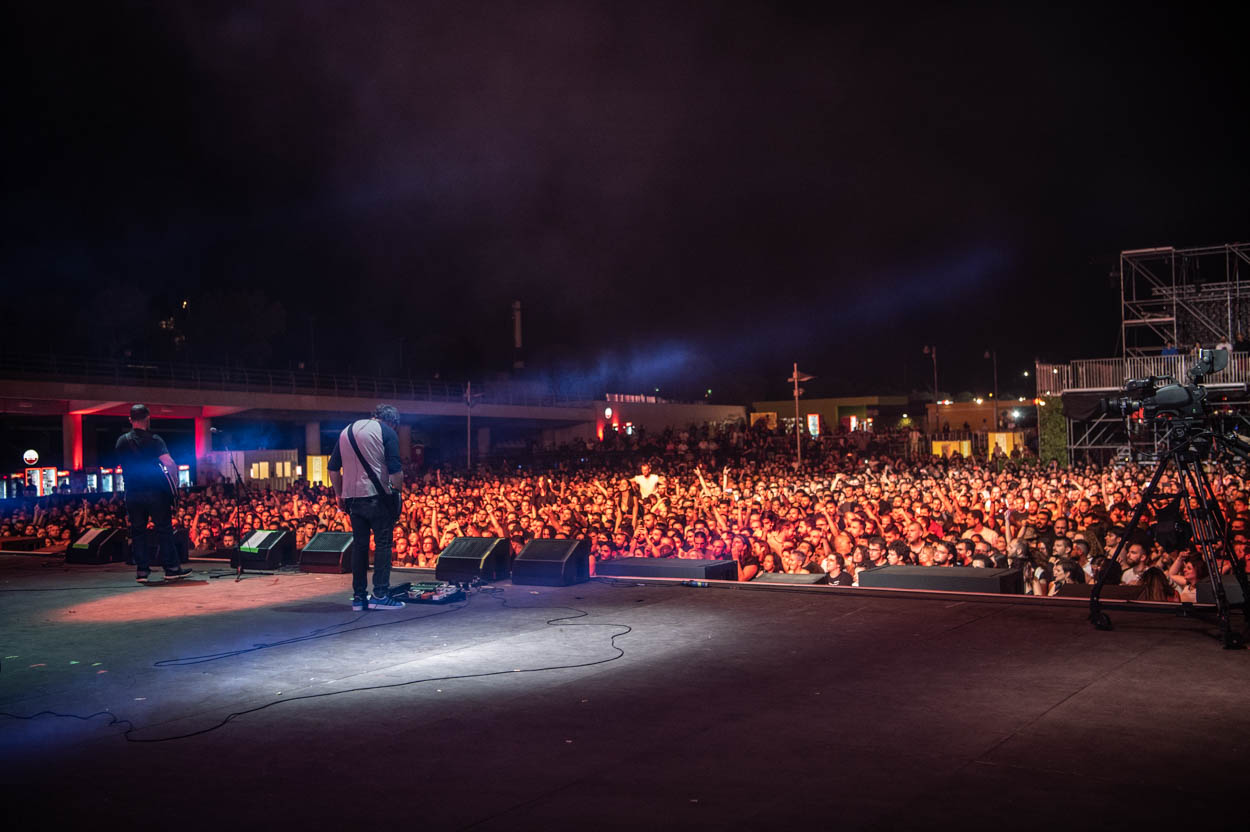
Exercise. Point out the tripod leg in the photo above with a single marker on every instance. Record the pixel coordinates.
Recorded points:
(1238, 568)
(1097, 617)
(1208, 524)
(1239, 572)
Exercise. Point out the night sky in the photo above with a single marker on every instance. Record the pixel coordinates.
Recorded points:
(682, 195)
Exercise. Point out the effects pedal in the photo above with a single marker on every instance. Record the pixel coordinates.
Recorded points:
(433, 592)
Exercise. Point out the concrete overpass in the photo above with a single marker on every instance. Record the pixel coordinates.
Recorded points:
(76, 388)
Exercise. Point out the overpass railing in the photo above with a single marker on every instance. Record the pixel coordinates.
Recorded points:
(1111, 373)
(135, 372)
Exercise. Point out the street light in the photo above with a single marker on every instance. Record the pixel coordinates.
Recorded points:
(931, 351)
(993, 355)
(470, 399)
(798, 428)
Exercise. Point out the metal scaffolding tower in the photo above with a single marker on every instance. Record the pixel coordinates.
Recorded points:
(1183, 296)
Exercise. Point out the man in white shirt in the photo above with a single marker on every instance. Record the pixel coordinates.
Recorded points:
(647, 481)
(376, 445)
(978, 527)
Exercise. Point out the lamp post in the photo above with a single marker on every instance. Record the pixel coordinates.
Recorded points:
(798, 425)
(993, 355)
(931, 351)
(469, 397)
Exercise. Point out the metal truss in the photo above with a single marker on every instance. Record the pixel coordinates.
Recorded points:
(1183, 296)
(1099, 440)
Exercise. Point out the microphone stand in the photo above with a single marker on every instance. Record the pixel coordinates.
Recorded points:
(239, 488)
(238, 478)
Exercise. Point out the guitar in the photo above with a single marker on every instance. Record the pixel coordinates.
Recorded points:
(170, 477)
(171, 480)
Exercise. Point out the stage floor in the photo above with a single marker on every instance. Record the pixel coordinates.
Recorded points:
(729, 708)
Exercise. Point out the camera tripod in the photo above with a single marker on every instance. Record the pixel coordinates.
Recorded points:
(1189, 444)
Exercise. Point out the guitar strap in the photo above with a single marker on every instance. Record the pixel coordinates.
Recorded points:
(173, 490)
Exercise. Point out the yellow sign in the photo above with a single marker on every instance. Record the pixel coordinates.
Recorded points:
(946, 447)
(768, 417)
(1005, 440)
(318, 469)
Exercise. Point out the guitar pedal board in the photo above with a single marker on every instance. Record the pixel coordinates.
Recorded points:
(430, 592)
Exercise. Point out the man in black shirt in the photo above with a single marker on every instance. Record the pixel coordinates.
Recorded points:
(148, 494)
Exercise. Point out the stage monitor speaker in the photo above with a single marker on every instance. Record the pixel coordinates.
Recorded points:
(1232, 591)
(547, 562)
(19, 543)
(784, 578)
(265, 549)
(328, 552)
(699, 570)
(944, 579)
(99, 546)
(466, 558)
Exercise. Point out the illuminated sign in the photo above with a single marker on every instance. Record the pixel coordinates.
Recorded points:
(769, 418)
(31, 457)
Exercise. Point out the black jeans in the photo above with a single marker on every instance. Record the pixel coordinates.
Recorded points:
(370, 514)
(140, 505)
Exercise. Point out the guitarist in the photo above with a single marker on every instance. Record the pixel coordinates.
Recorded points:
(367, 453)
(150, 492)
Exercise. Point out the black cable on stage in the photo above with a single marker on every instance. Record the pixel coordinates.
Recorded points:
(321, 632)
(551, 621)
(113, 718)
(558, 621)
(311, 636)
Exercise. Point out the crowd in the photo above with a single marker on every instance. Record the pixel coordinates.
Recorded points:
(734, 493)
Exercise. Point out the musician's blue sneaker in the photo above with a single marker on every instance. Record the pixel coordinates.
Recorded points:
(359, 603)
(171, 575)
(386, 603)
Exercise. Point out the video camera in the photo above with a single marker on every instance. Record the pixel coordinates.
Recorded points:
(1164, 395)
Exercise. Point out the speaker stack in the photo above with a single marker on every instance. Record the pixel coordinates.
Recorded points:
(327, 552)
(265, 549)
(98, 546)
(552, 563)
(466, 558)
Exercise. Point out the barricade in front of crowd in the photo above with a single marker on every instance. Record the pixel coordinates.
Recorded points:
(944, 579)
(687, 568)
(787, 578)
